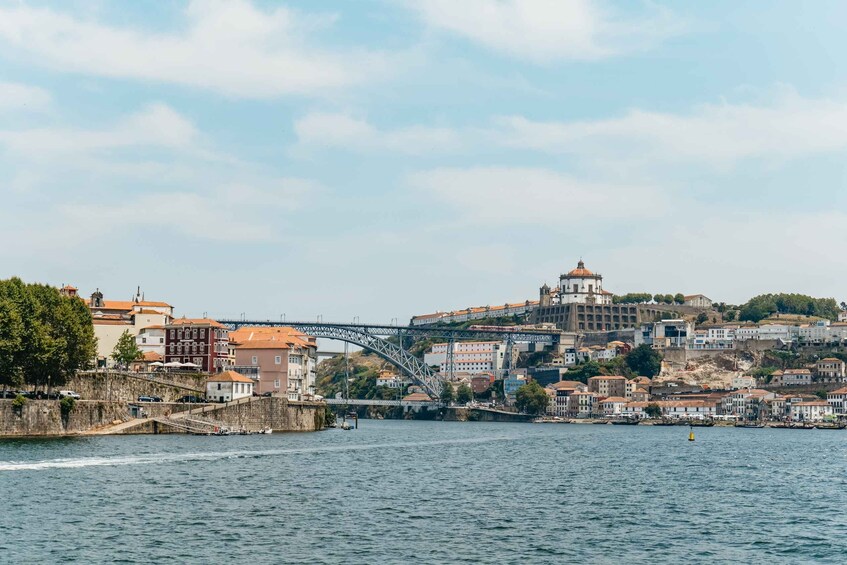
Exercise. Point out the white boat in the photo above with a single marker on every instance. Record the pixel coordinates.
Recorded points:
(266, 430)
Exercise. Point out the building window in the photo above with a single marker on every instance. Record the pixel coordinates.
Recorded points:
(172, 334)
(255, 360)
(278, 359)
(276, 383)
(219, 386)
(202, 333)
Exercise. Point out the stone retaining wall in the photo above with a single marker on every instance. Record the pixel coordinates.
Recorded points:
(128, 387)
(44, 417)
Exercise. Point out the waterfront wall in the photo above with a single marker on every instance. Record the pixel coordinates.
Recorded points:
(277, 413)
(44, 417)
(454, 414)
(126, 387)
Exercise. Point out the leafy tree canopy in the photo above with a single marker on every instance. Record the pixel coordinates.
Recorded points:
(448, 394)
(126, 350)
(531, 398)
(765, 305)
(644, 360)
(464, 394)
(45, 337)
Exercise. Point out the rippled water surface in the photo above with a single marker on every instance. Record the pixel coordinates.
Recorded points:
(430, 492)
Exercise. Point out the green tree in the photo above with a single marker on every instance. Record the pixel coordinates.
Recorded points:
(11, 344)
(44, 337)
(658, 298)
(653, 410)
(764, 305)
(645, 361)
(126, 350)
(702, 318)
(531, 398)
(730, 315)
(464, 394)
(448, 395)
(679, 298)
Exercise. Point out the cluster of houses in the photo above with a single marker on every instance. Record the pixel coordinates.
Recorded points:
(681, 333)
(273, 360)
(618, 397)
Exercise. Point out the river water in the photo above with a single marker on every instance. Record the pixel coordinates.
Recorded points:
(430, 492)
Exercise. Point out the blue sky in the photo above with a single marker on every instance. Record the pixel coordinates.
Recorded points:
(387, 158)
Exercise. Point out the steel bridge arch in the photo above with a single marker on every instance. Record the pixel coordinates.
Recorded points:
(410, 365)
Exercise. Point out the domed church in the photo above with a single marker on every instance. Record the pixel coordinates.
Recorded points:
(581, 286)
(579, 304)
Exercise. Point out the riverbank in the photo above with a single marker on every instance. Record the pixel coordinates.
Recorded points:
(46, 418)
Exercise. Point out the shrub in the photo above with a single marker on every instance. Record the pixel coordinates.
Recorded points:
(66, 405)
(18, 403)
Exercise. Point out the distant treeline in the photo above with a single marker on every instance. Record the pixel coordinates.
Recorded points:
(44, 337)
(766, 305)
(645, 297)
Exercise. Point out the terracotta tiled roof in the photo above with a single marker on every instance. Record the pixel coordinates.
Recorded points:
(195, 322)
(580, 271)
(614, 399)
(566, 384)
(130, 304)
(607, 377)
(110, 322)
(151, 356)
(417, 397)
(229, 377)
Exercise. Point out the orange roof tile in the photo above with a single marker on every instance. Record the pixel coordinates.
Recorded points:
(195, 322)
(229, 377)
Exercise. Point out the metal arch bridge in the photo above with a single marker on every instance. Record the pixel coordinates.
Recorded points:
(372, 337)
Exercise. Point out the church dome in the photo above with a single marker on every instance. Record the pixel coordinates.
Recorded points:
(581, 271)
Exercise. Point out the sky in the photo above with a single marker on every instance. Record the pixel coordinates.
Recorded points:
(381, 159)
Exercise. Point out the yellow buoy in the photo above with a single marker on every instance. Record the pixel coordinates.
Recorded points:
(691, 435)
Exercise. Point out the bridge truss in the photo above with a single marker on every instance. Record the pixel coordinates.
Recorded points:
(372, 337)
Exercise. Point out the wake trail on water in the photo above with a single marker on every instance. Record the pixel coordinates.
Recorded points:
(157, 458)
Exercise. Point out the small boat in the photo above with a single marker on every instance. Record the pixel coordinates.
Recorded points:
(749, 425)
(625, 422)
(346, 426)
(265, 430)
(798, 426)
(831, 426)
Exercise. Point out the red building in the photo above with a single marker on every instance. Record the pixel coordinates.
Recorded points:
(200, 341)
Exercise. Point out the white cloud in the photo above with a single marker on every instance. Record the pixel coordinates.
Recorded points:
(233, 213)
(714, 134)
(18, 97)
(157, 125)
(513, 195)
(338, 130)
(546, 30)
(786, 126)
(228, 46)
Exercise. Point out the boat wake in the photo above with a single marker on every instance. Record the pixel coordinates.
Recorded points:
(159, 458)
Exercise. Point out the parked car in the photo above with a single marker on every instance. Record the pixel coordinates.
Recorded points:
(69, 394)
(191, 399)
(145, 399)
(156, 399)
(8, 394)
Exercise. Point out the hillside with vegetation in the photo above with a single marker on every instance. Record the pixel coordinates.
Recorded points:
(765, 305)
